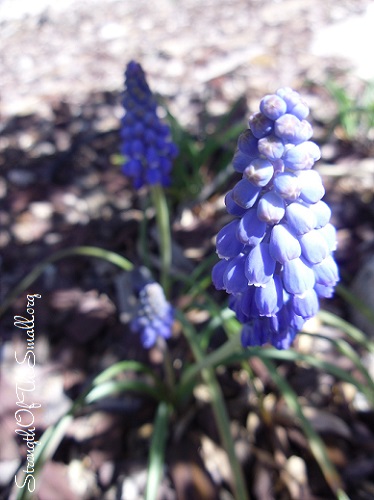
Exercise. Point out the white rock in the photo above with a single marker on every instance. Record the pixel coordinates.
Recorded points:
(351, 39)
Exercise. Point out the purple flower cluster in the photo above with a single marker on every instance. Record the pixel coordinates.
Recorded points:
(155, 316)
(277, 251)
(146, 143)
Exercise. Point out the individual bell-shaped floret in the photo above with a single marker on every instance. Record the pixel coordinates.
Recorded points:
(271, 147)
(288, 128)
(311, 185)
(245, 193)
(232, 207)
(246, 302)
(259, 265)
(228, 246)
(297, 276)
(306, 305)
(302, 156)
(300, 218)
(269, 298)
(234, 279)
(248, 144)
(273, 106)
(253, 334)
(259, 172)
(314, 247)
(287, 185)
(271, 208)
(217, 274)
(251, 230)
(260, 125)
(326, 272)
(322, 213)
(284, 245)
(329, 233)
(295, 104)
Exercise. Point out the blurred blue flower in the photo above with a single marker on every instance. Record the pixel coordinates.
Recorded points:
(154, 317)
(146, 143)
(277, 253)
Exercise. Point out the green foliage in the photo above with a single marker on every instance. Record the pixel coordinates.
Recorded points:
(355, 112)
(210, 150)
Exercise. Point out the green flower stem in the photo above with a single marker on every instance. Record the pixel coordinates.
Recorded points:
(38, 270)
(143, 235)
(163, 223)
(168, 364)
(219, 409)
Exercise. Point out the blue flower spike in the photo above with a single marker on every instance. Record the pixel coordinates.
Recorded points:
(146, 143)
(277, 253)
(154, 317)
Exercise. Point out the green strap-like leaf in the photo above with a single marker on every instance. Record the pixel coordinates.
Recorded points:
(353, 332)
(163, 223)
(113, 387)
(38, 270)
(157, 450)
(123, 366)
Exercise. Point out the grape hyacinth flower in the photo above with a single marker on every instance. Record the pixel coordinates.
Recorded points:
(146, 143)
(154, 317)
(277, 253)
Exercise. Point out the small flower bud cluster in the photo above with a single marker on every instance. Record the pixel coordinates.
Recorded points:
(155, 316)
(277, 252)
(146, 143)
